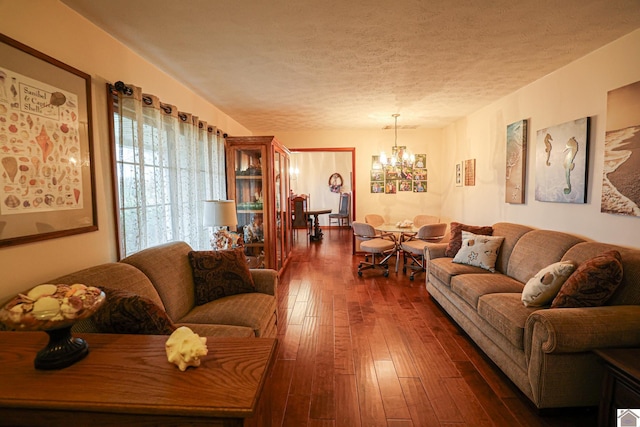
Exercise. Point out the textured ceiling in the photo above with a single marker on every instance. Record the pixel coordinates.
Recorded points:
(286, 65)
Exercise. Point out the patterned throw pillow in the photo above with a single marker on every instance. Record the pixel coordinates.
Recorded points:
(479, 251)
(455, 240)
(124, 312)
(593, 282)
(544, 286)
(217, 274)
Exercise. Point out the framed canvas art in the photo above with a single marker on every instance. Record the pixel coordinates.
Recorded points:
(470, 172)
(621, 172)
(516, 162)
(561, 162)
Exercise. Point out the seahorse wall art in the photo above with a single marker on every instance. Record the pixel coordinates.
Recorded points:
(548, 147)
(562, 162)
(571, 149)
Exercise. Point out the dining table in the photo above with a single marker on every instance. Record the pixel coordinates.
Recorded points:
(315, 233)
(400, 232)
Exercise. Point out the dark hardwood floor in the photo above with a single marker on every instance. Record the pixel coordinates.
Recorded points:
(375, 351)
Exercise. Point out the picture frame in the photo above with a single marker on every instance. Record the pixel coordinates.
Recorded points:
(459, 174)
(516, 162)
(621, 173)
(377, 186)
(470, 172)
(562, 162)
(47, 176)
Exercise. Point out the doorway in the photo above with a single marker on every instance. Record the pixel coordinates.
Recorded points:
(313, 172)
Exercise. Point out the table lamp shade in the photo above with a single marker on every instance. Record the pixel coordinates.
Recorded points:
(220, 213)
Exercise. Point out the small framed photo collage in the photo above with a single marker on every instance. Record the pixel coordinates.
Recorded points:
(389, 179)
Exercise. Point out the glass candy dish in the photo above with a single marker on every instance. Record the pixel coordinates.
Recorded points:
(54, 309)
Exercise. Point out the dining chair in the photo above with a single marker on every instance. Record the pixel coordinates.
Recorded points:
(413, 246)
(420, 220)
(384, 244)
(374, 219)
(299, 205)
(344, 210)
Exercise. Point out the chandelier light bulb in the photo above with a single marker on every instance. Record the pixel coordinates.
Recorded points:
(383, 158)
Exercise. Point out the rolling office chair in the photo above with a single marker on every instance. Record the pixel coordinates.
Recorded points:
(344, 210)
(374, 219)
(420, 220)
(413, 246)
(374, 244)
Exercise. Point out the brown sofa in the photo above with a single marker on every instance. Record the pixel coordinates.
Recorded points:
(163, 274)
(546, 352)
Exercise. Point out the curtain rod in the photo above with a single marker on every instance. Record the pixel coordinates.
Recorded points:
(126, 90)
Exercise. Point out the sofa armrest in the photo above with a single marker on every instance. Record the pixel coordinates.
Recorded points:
(434, 250)
(265, 280)
(571, 330)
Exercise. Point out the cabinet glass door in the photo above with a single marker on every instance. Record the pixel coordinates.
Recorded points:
(277, 162)
(250, 203)
(286, 206)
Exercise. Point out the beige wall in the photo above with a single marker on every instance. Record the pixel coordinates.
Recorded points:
(575, 91)
(52, 28)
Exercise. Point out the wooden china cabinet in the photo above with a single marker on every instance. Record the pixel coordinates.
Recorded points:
(258, 180)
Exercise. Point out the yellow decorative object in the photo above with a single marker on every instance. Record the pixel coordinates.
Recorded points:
(184, 348)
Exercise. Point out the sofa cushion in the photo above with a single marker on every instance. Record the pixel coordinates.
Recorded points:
(542, 288)
(253, 310)
(479, 251)
(505, 313)
(167, 267)
(124, 312)
(537, 249)
(593, 282)
(218, 274)
(455, 239)
(470, 287)
(114, 275)
(444, 269)
(511, 233)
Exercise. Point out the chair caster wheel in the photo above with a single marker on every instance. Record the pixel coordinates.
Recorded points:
(360, 273)
(386, 273)
(411, 278)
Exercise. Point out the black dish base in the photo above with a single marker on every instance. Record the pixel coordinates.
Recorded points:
(63, 350)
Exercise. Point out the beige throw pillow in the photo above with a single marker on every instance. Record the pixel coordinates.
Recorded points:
(479, 251)
(542, 288)
(455, 240)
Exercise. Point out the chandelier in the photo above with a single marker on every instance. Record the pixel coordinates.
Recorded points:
(400, 156)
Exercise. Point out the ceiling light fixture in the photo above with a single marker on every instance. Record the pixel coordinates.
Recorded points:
(400, 156)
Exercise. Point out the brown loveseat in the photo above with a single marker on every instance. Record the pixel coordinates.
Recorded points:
(546, 352)
(163, 275)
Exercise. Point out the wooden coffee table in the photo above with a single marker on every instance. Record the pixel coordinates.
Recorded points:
(127, 380)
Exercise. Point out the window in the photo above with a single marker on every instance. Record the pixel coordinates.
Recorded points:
(166, 164)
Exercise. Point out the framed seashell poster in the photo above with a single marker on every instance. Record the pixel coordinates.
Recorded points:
(46, 151)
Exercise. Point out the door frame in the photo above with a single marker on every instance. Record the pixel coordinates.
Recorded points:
(352, 150)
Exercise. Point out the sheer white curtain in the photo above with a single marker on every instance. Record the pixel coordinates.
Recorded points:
(167, 164)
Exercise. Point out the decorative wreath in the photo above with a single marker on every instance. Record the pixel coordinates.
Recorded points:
(335, 182)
